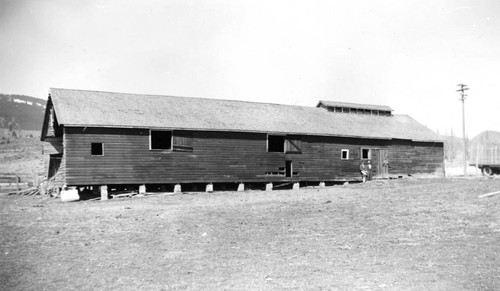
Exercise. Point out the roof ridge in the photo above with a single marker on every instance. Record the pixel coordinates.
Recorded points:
(187, 97)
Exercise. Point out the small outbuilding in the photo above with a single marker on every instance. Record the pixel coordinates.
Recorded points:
(104, 138)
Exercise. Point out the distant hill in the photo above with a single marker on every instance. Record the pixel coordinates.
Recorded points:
(21, 119)
(18, 112)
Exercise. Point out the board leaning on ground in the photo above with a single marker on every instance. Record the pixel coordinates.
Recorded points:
(102, 138)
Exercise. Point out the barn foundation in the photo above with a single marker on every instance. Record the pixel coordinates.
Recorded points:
(104, 192)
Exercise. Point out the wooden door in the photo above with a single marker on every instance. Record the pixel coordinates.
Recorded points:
(383, 165)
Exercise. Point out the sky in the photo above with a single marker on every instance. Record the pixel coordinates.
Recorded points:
(409, 55)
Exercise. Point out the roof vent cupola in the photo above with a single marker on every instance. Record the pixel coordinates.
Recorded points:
(353, 108)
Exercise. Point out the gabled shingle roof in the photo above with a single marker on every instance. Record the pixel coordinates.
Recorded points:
(106, 109)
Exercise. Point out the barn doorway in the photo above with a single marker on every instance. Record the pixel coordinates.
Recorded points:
(54, 164)
(382, 163)
(288, 169)
(379, 161)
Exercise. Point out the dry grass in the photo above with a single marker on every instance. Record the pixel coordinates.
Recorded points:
(390, 235)
(21, 156)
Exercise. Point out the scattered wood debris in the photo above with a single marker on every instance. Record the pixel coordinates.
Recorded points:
(489, 194)
(52, 187)
(123, 195)
(26, 192)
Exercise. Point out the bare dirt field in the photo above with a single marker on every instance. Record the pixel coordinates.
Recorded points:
(408, 234)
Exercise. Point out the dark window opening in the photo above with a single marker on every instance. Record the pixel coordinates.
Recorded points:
(344, 155)
(276, 143)
(161, 140)
(365, 154)
(96, 149)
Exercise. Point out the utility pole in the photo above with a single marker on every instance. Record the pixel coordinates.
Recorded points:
(462, 90)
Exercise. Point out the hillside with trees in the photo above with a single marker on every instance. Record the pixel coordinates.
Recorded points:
(21, 119)
(18, 112)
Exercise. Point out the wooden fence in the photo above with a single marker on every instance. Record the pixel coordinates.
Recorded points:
(15, 182)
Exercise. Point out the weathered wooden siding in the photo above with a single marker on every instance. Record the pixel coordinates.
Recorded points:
(51, 127)
(321, 158)
(224, 157)
(216, 157)
(406, 157)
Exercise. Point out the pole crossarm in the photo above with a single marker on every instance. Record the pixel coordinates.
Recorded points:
(462, 90)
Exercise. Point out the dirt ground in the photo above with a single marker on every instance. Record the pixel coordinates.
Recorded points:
(408, 234)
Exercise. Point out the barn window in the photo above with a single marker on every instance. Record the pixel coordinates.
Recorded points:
(96, 149)
(160, 140)
(344, 155)
(276, 143)
(366, 154)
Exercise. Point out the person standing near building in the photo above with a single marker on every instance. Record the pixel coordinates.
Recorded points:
(369, 170)
(363, 170)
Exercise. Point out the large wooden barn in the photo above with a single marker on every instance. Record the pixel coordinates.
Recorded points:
(104, 138)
